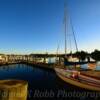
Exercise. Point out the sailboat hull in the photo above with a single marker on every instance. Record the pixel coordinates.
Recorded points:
(75, 63)
(78, 83)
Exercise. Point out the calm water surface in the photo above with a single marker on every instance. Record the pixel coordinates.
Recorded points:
(40, 80)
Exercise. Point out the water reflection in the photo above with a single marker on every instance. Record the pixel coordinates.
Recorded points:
(38, 79)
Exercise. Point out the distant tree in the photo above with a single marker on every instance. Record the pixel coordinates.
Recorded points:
(77, 54)
(81, 55)
(96, 55)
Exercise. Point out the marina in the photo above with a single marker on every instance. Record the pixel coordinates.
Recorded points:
(49, 49)
(41, 80)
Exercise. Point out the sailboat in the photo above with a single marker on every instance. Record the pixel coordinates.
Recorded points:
(72, 75)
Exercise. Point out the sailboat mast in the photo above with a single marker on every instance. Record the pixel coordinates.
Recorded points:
(65, 19)
(73, 35)
(66, 15)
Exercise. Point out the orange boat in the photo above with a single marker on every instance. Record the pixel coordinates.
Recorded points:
(91, 66)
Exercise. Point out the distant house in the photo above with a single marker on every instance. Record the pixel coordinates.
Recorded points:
(2, 58)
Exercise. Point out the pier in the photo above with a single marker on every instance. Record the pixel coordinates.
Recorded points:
(39, 60)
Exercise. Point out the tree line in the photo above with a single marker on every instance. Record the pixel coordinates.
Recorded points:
(83, 55)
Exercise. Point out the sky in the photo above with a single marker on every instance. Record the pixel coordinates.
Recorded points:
(36, 26)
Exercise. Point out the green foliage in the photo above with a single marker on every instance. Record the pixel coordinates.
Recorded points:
(81, 55)
(96, 55)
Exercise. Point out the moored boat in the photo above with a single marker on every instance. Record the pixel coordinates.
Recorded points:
(70, 74)
(76, 78)
(92, 66)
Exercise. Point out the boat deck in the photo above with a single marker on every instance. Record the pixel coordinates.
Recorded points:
(94, 74)
(85, 80)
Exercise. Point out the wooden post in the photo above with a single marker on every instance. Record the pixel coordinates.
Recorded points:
(13, 90)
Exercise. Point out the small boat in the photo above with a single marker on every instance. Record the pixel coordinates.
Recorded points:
(76, 78)
(92, 66)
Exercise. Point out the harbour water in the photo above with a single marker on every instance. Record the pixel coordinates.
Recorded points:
(44, 83)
